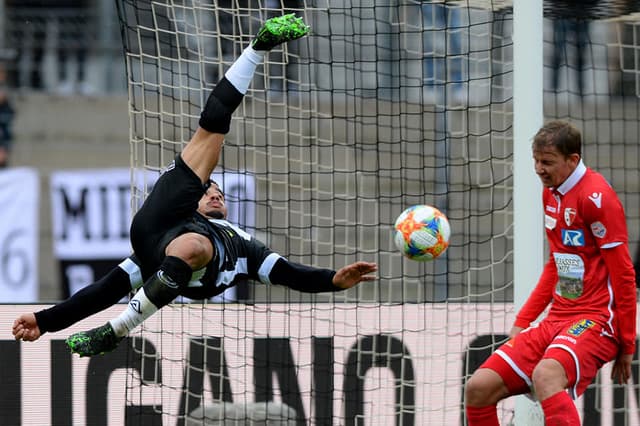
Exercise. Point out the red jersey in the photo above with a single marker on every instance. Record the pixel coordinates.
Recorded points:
(585, 224)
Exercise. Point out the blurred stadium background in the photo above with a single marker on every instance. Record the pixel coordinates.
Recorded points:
(62, 67)
(64, 72)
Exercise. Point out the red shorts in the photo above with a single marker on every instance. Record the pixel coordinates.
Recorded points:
(580, 346)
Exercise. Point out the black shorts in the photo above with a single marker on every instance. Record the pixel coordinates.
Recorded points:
(167, 212)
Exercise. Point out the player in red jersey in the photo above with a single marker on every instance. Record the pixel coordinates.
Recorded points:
(589, 283)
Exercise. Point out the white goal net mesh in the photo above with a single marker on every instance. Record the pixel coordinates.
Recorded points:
(384, 105)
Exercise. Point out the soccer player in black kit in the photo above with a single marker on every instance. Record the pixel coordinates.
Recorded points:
(181, 241)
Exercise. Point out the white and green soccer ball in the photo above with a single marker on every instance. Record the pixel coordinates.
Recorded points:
(421, 232)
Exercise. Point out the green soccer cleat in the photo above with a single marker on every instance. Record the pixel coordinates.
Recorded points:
(279, 30)
(96, 341)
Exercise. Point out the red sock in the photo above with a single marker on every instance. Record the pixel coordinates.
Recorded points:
(482, 416)
(559, 410)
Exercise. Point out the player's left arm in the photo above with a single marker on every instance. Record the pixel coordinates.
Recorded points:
(309, 279)
(269, 267)
(622, 276)
(609, 228)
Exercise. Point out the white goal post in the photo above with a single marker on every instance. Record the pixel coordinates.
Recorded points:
(528, 231)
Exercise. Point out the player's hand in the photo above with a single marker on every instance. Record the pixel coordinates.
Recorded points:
(622, 368)
(26, 328)
(515, 331)
(353, 274)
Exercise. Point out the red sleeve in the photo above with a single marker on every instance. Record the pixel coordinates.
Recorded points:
(623, 281)
(540, 297)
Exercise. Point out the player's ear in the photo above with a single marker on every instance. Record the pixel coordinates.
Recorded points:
(574, 158)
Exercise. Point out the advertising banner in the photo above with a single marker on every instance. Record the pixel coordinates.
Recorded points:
(328, 363)
(19, 232)
(91, 214)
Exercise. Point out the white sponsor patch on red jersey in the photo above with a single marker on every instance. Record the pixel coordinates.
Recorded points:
(598, 229)
(549, 222)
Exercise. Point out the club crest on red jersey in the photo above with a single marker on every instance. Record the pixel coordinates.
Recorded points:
(569, 215)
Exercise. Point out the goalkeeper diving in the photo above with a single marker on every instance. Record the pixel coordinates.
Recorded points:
(182, 243)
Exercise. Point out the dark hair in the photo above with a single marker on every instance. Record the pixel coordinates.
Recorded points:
(213, 182)
(562, 135)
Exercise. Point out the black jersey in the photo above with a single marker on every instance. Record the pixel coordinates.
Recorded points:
(170, 211)
(238, 257)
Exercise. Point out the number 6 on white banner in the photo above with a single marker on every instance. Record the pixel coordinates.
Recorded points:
(19, 195)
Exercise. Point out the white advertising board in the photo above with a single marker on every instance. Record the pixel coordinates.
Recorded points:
(285, 353)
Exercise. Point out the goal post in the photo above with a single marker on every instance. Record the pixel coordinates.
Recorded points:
(528, 245)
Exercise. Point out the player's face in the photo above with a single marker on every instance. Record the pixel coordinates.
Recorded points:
(212, 204)
(552, 167)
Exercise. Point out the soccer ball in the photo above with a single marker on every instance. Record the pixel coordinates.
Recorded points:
(421, 233)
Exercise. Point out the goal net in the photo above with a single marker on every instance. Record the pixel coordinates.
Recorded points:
(384, 105)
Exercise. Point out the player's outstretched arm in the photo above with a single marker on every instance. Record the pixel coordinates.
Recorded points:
(25, 327)
(91, 299)
(309, 279)
(350, 275)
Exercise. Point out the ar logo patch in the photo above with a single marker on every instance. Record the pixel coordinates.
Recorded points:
(572, 237)
(580, 327)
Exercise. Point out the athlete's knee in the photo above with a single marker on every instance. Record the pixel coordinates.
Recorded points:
(485, 387)
(548, 378)
(194, 249)
(473, 392)
(222, 102)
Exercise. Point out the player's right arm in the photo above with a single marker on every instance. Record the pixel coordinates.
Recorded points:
(539, 298)
(25, 327)
(91, 299)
